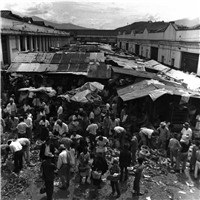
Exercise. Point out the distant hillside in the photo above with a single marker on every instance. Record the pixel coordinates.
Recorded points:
(188, 22)
(140, 26)
(58, 26)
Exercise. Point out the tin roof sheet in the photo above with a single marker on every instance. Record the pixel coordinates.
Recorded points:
(132, 72)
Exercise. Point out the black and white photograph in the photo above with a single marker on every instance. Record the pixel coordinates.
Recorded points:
(100, 100)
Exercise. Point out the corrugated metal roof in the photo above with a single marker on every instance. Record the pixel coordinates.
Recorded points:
(43, 58)
(25, 58)
(191, 80)
(132, 72)
(123, 62)
(90, 64)
(28, 67)
(154, 89)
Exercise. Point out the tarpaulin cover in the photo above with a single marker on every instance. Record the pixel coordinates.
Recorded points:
(81, 96)
(89, 86)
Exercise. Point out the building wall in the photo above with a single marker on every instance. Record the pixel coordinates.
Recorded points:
(188, 35)
(34, 37)
(171, 43)
(1, 54)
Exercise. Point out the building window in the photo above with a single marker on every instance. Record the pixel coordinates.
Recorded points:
(172, 62)
(163, 58)
(146, 53)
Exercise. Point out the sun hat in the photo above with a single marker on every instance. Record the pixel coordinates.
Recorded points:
(163, 124)
(62, 147)
(186, 124)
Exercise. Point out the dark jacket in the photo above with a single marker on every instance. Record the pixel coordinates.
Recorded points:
(125, 158)
(48, 170)
(42, 150)
(100, 164)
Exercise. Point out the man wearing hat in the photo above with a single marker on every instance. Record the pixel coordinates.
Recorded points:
(46, 148)
(48, 168)
(186, 130)
(164, 135)
(183, 154)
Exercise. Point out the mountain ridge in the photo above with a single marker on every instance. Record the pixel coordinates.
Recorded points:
(59, 25)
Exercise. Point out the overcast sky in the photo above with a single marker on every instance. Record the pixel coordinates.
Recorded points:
(104, 14)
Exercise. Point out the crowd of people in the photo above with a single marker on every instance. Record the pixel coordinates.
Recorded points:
(78, 142)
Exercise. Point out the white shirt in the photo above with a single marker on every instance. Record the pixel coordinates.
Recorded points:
(0, 113)
(147, 131)
(29, 122)
(47, 150)
(92, 129)
(187, 132)
(62, 158)
(61, 129)
(44, 123)
(119, 129)
(11, 108)
(60, 110)
(26, 107)
(24, 141)
(91, 116)
(15, 146)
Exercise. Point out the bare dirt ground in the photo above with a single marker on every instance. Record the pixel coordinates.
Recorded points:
(158, 183)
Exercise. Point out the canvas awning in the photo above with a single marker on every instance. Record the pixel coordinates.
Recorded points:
(48, 90)
(79, 94)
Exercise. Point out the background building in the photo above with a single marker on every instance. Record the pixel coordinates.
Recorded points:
(167, 43)
(23, 34)
(93, 35)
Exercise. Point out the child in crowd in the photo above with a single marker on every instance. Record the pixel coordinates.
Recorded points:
(115, 172)
(138, 175)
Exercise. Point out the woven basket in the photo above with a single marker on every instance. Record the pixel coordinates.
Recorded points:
(113, 178)
(96, 175)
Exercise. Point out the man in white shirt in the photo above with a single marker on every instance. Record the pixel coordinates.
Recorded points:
(26, 149)
(146, 135)
(101, 144)
(21, 128)
(63, 166)
(186, 130)
(16, 149)
(11, 107)
(120, 133)
(92, 130)
(60, 127)
(29, 122)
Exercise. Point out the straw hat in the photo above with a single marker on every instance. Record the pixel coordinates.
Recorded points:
(186, 124)
(62, 147)
(163, 124)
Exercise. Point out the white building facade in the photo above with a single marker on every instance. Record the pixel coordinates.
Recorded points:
(18, 35)
(175, 47)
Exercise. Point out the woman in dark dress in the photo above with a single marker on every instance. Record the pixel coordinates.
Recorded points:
(100, 165)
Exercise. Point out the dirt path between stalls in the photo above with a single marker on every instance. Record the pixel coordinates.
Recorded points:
(157, 184)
